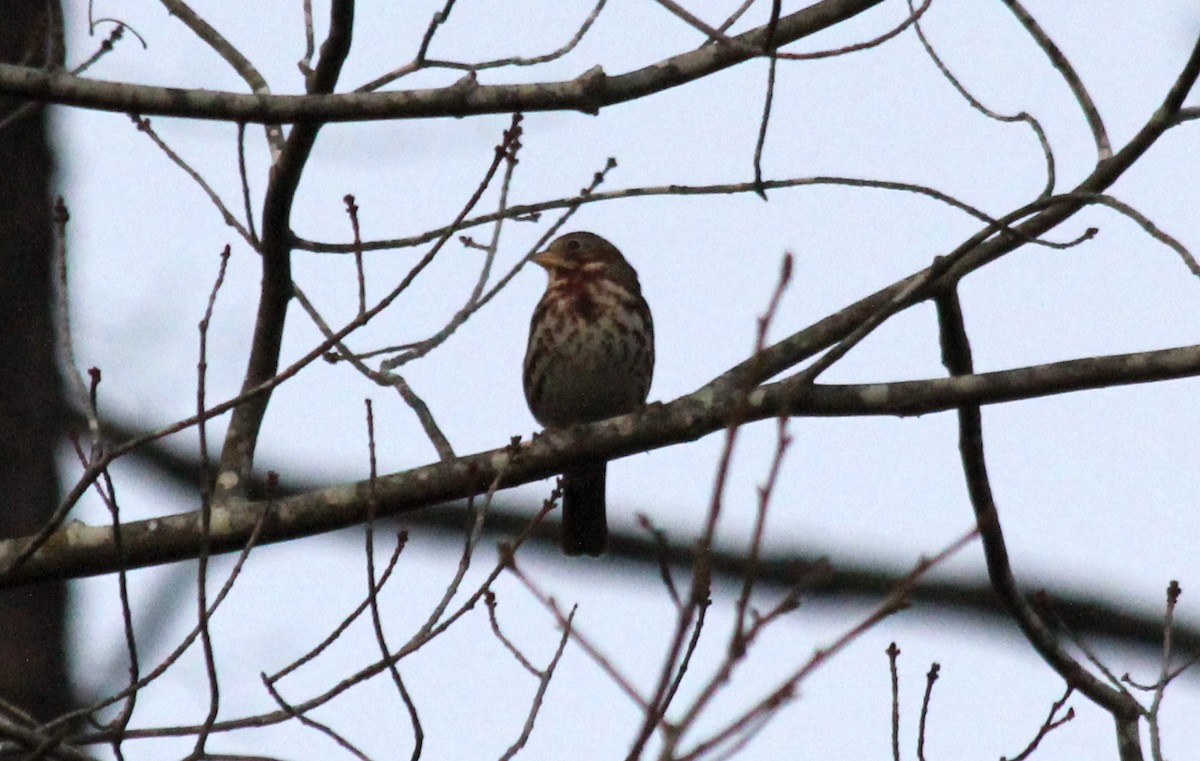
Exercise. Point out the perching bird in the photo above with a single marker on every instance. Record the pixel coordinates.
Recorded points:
(590, 357)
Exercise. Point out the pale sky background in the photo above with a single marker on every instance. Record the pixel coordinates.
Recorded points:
(1097, 489)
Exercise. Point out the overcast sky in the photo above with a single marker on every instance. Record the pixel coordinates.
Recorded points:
(1096, 489)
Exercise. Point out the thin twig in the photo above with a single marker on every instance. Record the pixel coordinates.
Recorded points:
(930, 678)
(543, 684)
(372, 593)
(489, 599)
(893, 654)
(588, 196)
(510, 146)
(1164, 676)
(210, 665)
(310, 43)
(689, 18)
(386, 379)
(663, 555)
(308, 721)
(234, 57)
(1063, 65)
(231, 220)
(108, 495)
(786, 689)
(352, 211)
(1049, 725)
(763, 122)
(868, 44)
(245, 180)
(976, 104)
(121, 722)
(733, 17)
(422, 61)
(584, 642)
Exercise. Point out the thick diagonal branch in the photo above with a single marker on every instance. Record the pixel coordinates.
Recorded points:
(237, 457)
(956, 356)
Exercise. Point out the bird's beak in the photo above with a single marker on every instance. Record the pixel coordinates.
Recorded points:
(548, 259)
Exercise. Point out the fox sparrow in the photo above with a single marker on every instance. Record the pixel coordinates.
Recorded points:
(590, 357)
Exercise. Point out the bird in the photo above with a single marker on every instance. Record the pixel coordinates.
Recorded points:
(590, 357)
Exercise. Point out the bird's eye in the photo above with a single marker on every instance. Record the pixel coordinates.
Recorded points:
(573, 245)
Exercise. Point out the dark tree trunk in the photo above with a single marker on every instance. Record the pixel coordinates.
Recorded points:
(33, 672)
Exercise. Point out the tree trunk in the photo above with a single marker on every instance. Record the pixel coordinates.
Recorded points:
(33, 671)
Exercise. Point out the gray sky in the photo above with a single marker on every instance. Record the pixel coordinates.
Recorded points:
(1096, 489)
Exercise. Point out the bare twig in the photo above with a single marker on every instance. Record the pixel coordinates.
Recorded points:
(584, 642)
(976, 104)
(210, 665)
(509, 147)
(245, 180)
(231, 220)
(772, 65)
(440, 443)
(121, 722)
(373, 599)
(866, 45)
(386, 379)
(786, 689)
(422, 61)
(893, 654)
(702, 607)
(689, 18)
(310, 43)
(930, 678)
(295, 713)
(1048, 726)
(543, 684)
(108, 495)
(352, 211)
(234, 57)
(1164, 676)
(664, 557)
(588, 196)
(1063, 65)
(489, 599)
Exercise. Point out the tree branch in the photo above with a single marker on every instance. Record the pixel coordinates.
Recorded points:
(588, 93)
(241, 438)
(78, 550)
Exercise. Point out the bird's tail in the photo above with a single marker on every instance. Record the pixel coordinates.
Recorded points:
(584, 526)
